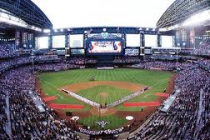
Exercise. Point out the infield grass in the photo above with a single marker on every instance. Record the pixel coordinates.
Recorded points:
(51, 83)
(104, 94)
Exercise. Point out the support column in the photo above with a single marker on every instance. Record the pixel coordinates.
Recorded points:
(159, 42)
(17, 39)
(50, 42)
(142, 39)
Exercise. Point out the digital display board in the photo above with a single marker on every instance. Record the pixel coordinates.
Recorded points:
(42, 42)
(147, 51)
(76, 41)
(61, 52)
(133, 40)
(167, 41)
(77, 51)
(58, 41)
(151, 40)
(131, 52)
(105, 47)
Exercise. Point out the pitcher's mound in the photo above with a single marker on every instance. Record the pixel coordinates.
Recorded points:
(102, 112)
(104, 95)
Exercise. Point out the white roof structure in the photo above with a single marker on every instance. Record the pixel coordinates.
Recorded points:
(93, 13)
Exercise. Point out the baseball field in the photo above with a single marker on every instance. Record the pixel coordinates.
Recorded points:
(108, 86)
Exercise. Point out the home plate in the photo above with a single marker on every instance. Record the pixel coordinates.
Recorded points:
(75, 118)
(129, 118)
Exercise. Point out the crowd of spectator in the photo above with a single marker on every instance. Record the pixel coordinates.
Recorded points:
(7, 64)
(26, 120)
(162, 65)
(77, 60)
(204, 63)
(186, 51)
(24, 60)
(203, 48)
(108, 132)
(189, 116)
(46, 58)
(56, 67)
(165, 57)
(3, 116)
(7, 50)
(128, 60)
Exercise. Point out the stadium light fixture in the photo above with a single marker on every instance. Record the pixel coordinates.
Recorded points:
(46, 30)
(37, 29)
(8, 21)
(8, 18)
(163, 29)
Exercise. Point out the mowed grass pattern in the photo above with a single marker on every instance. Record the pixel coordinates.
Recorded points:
(104, 94)
(52, 82)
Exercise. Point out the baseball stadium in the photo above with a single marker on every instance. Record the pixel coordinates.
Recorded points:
(105, 70)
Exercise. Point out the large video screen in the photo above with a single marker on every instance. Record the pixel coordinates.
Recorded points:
(133, 40)
(42, 43)
(131, 52)
(105, 47)
(76, 41)
(58, 41)
(151, 40)
(167, 41)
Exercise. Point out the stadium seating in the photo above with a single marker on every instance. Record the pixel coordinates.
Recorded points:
(188, 118)
(7, 50)
(181, 122)
(203, 48)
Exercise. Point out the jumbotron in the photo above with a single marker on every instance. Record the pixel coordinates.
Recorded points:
(108, 83)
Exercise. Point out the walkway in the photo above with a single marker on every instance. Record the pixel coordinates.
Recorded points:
(7, 110)
(37, 101)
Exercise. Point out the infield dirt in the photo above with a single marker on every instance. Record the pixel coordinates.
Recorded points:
(139, 116)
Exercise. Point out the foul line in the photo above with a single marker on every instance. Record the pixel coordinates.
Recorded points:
(53, 87)
(60, 96)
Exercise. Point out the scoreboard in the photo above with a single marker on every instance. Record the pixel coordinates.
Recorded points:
(132, 52)
(105, 44)
(114, 47)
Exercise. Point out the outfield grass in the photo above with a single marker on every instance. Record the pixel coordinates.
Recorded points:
(53, 81)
